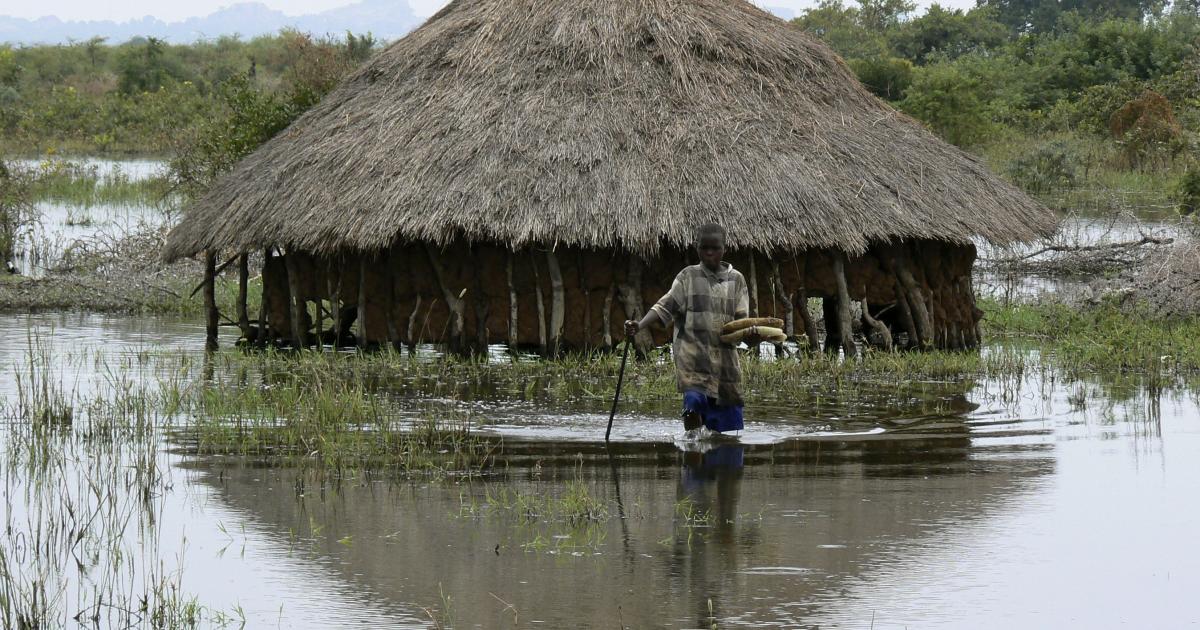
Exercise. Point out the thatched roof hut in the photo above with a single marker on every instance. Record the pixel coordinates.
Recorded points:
(605, 126)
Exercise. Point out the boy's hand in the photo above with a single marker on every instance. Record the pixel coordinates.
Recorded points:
(631, 328)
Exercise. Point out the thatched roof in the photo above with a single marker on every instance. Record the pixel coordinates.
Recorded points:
(604, 123)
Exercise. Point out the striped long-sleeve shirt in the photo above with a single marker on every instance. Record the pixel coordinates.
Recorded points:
(699, 303)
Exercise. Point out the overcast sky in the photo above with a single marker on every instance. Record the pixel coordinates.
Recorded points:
(174, 10)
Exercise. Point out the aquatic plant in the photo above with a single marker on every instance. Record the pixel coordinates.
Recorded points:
(335, 424)
(86, 467)
(1106, 337)
(81, 185)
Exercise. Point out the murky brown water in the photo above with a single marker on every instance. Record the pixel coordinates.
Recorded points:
(1024, 507)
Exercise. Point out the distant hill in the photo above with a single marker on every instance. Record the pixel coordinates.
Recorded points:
(385, 19)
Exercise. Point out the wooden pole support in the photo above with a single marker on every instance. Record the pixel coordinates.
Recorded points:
(916, 303)
(833, 332)
(333, 284)
(806, 319)
(243, 311)
(558, 313)
(885, 335)
(845, 331)
(295, 300)
(393, 295)
(264, 313)
(513, 331)
(454, 302)
(212, 317)
(362, 301)
(906, 317)
(543, 344)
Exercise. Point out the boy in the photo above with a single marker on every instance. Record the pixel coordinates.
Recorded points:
(702, 299)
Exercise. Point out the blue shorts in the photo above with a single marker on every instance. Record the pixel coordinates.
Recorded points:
(720, 418)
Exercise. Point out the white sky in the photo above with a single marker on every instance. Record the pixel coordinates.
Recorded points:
(174, 10)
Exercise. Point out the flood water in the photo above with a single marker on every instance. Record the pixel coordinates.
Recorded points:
(1029, 502)
(61, 226)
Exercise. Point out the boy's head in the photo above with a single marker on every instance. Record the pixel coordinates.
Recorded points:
(710, 245)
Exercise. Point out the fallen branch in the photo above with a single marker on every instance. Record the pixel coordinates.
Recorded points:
(1073, 249)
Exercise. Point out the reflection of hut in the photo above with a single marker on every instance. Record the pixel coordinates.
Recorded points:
(533, 173)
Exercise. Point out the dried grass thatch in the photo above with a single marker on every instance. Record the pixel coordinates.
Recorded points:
(604, 123)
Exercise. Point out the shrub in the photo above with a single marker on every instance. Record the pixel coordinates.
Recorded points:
(1095, 107)
(948, 100)
(1187, 192)
(16, 212)
(1051, 166)
(1146, 129)
(887, 77)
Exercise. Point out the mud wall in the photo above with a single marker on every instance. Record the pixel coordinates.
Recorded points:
(468, 294)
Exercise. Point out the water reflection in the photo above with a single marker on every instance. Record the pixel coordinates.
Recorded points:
(1028, 501)
(709, 488)
(741, 533)
(61, 227)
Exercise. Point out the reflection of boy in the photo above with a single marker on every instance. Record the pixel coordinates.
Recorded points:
(702, 299)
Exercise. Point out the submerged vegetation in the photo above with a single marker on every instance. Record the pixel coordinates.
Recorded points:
(91, 452)
(568, 519)
(334, 424)
(87, 471)
(82, 185)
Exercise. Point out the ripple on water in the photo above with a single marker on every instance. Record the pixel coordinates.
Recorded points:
(776, 571)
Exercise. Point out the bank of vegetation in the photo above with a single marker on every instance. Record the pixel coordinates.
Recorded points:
(1076, 101)
(1059, 96)
(1093, 106)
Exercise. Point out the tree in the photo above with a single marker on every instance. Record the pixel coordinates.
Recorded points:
(881, 15)
(360, 48)
(951, 102)
(142, 68)
(250, 116)
(95, 48)
(16, 211)
(887, 77)
(1042, 16)
(10, 70)
(840, 27)
(951, 33)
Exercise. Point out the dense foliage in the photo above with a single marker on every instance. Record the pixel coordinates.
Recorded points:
(1050, 91)
(15, 208)
(95, 98)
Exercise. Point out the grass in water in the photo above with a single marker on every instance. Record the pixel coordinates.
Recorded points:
(82, 185)
(306, 419)
(567, 518)
(1104, 337)
(84, 487)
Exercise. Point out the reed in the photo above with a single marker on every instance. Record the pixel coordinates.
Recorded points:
(82, 185)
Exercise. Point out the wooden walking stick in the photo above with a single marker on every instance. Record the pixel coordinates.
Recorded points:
(620, 379)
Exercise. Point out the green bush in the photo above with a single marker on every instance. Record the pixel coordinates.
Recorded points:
(16, 211)
(887, 77)
(1093, 110)
(951, 102)
(1187, 192)
(1051, 166)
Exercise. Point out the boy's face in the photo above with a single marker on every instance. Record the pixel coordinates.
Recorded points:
(711, 250)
